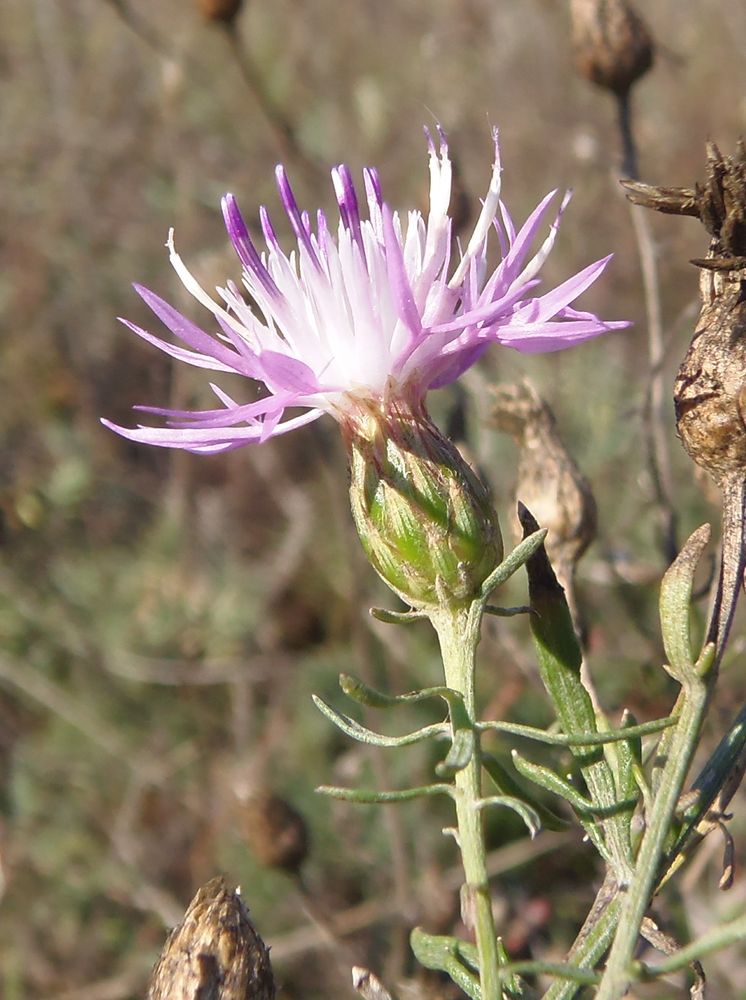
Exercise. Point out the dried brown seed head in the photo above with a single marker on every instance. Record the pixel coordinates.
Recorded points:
(710, 388)
(276, 833)
(223, 11)
(611, 44)
(214, 952)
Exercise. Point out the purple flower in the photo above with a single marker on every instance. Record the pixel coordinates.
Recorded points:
(368, 314)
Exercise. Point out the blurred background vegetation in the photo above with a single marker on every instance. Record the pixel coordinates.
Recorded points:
(164, 618)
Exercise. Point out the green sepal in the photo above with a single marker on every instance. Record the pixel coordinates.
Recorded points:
(462, 749)
(506, 784)
(364, 735)
(675, 599)
(443, 954)
(368, 796)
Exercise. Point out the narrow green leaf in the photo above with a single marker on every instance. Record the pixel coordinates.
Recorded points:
(442, 954)
(506, 784)
(560, 658)
(521, 609)
(358, 732)
(512, 984)
(719, 772)
(675, 598)
(364, 695)
(461, 752)
(712, 940)
(370, 796)
(514, 561)
(626, 758)
(397, 617)
(529, 816)
(580, 739)
(547, 779)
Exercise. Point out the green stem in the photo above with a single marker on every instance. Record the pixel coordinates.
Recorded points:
(637, 897)
(458, 634)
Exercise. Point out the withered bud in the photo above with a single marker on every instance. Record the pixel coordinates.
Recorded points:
(612, 46)
(214, 952)
(549, 482)
(223, 11)
(276, 833)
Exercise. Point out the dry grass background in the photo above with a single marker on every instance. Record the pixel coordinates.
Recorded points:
(164, 618)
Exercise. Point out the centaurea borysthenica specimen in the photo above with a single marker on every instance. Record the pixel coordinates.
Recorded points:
(361, 324)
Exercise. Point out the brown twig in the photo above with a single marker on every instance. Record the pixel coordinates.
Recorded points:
(289, 145)
(654, 421)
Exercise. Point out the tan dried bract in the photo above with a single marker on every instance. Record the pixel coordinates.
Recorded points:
(611, 44)
(214, 953)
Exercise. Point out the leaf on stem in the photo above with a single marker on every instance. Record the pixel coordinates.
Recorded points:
(552, 782)
(517, 558)
(529, 816)
(364, 735)
(397, 617)
(443, 955)
(506, 784)
(675, 599)
(560, 659)
(580, 739)
(462, 748)
(369, 796)
(364, 695)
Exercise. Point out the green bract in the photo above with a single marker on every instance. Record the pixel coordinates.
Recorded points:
(424, 518)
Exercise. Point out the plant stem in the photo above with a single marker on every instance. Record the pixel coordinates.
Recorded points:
(458, 634)
(593, 940)
(636, 899)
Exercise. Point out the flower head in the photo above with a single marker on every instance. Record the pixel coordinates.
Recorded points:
(376, 312)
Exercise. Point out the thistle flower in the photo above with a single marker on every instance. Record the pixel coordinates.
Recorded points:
(362, 327)
(369, 315)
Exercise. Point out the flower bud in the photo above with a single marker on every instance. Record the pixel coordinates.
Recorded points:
(276, 833)
(424, 518)
(225, 11)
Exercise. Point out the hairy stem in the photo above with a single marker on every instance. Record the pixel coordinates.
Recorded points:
(458, 634)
